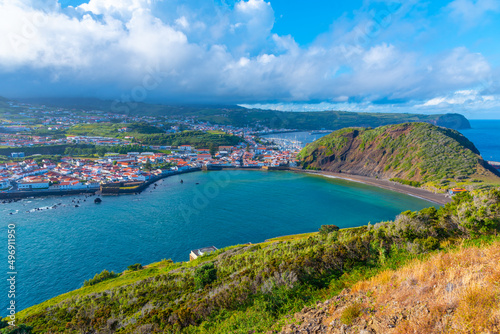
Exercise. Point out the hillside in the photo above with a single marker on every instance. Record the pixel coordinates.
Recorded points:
(112, 129)
(256, 288)
(418, 152)
(456, 292)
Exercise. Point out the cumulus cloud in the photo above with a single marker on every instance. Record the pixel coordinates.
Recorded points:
(472, 11)
(201, 51)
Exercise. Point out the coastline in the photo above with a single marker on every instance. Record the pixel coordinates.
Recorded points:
(17, 195)
(440, 199)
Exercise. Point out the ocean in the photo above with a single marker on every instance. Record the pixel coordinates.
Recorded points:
(57, 249)
(485, 134)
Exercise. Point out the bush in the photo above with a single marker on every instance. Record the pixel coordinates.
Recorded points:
(205, 275)
(415, 184)
(135, 267)
(327, 229)
(104, 275)
(21, 329)
(428, 244)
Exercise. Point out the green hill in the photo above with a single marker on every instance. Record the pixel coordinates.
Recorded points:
(256, 288)
(331, 120)
(112, 129)
(418, 152)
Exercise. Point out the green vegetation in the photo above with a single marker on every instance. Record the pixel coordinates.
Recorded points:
(198, 139)
(113, 129)
(411, 153)
(44, 150)
(104, 275)
(253, 287)
(327, 229)
(205, 275)
(135, 267)
(407, 182)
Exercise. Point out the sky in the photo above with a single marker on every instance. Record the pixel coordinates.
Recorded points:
(404, 56)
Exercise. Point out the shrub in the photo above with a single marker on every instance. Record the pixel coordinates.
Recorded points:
(135, 267)
(104, 275)
(21, 329)
(205, 275)
(415, 184)
(351, 313)
(326, 229)
(430, 244)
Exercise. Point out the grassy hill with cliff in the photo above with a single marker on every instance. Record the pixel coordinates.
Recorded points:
(418, 152)
(258, 288)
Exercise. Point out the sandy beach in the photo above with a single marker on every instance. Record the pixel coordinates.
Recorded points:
(440, 199)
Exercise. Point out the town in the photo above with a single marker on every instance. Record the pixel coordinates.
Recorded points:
(24, 173)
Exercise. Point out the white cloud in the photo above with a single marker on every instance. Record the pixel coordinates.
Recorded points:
(122, 8)
(472, 11)
(111, 46)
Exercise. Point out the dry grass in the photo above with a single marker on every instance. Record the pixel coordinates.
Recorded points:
(351, 313)
(449, 293)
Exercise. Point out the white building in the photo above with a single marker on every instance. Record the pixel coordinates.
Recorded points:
(33, 185)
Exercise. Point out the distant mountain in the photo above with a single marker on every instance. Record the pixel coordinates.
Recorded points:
(239, 116)
(332, 120)
(411, 151)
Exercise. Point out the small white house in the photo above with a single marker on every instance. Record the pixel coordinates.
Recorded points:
(200, 252)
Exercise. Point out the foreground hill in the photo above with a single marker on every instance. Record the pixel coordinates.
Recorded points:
(417, 152)
(456, 292)
(256, 288)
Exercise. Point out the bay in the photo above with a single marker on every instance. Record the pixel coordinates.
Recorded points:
(59, 248)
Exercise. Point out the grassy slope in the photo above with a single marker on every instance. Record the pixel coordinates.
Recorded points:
(197, 139)
(453, 291)
(111, 129)
(258, 285)
(410, 151)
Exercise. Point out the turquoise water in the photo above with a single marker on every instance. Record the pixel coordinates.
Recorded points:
(58, 249)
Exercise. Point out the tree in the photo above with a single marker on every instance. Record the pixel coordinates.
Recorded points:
(326, 229)
(213, 149)
(205, 275)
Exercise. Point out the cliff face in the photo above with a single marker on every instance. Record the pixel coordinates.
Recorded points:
(411, 151)
(452, 121)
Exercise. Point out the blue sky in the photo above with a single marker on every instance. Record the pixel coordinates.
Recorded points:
(403, 56)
